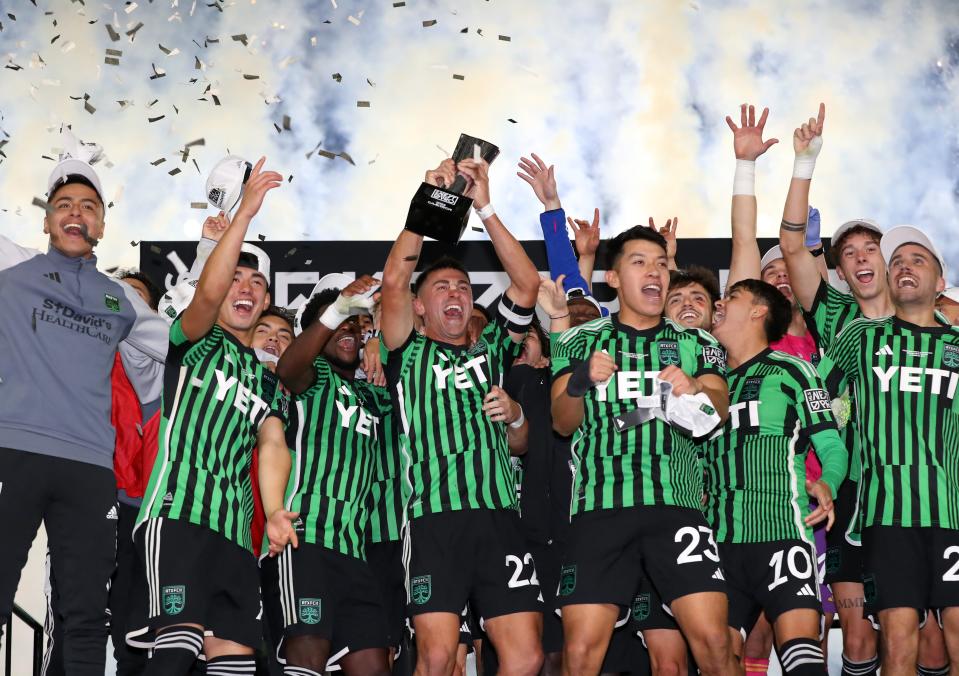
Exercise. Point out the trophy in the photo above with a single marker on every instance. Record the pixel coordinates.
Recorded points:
(442, 212)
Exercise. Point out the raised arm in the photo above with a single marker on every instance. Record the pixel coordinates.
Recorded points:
(523, 277)
(586, 236)
(804, 272)
(295, 368)
(397, 305)
(569, 389)
(668, 232)
(748, 144)
(218, 273)
(177, 299)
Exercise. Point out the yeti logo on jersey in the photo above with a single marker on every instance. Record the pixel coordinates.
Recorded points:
(364, 424)
(244, 400)
(310, 611)
(461, 373)
(174, 599)
(668, 353)
(817, 401)
(714, 355)
(628, 385)
(950, 356)
(751, 388)
(567, 580)
(421, 589)
(918, 379)
(641, 607)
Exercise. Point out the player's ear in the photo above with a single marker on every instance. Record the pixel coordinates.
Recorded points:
(267, 300)
(418, 306)
(940, 285)
(612, 278)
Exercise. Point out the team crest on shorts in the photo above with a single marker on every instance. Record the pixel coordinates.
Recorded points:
(641, 607)
(311, 611)
(950, 356)
(421, 589)
(869, 588)
(833, 559)
(567, 580)
(174, 599)
(668, 353)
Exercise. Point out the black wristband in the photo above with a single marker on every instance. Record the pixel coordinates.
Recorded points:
(579, 382)
(817, 252)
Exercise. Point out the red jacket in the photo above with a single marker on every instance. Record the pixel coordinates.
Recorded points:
(136, 445)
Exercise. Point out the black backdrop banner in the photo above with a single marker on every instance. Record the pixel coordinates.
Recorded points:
(297, 266)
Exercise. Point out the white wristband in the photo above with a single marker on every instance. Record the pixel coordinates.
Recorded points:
(485, 212)
(332, 318)
(806, 161)
(516, 424)
(744, 181)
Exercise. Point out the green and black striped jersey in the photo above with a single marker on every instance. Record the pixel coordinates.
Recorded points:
(904, 378)
(386, 496)
(334, 434)
(454, 456)
(648, 464)
(756, 462)
(216, 394)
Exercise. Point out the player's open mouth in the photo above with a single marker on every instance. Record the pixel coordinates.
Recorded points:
(346, 342)
(718, 318)
(689, 316)
(271, 348)
(74, 230)
(865, 276)
(453, 311)
(243, 306)
(653, 291)
(908, 281)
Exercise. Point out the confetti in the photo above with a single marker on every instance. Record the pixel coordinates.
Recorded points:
(337, 77)
(313, 41)
(132, 33)
(111, 61)
(198, 205)
(68, 47)
(476, 229)
(353, 20)
(216, 99)
(370, 82)
(43, 204)
(327, 154)
(129, 8)
(241, 38)
(290, 179)
(431, 22)
(362, 104)
(54, 38)
(458, 77)
(465, 30)
(262, 237)
(250, 77)
(158, 162)
(124, 103)
(505, 38)
(89, 108)
(157, 72)
(198, 142)
(155, 119)
(399, 4)
(197, 64)
(509, 119)
(174, 171)
(112, 33)
(134, 243)
(286, 122)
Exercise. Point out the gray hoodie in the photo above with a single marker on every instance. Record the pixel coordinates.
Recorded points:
(61, 323)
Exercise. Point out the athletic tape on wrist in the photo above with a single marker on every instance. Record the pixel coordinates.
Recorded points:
(485, 212)
(744, 180)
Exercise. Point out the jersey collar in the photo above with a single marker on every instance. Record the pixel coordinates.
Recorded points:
(638, 333)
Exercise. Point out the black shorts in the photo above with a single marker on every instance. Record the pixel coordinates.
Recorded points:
(626, 653)
(547, 559)
(649, 611)
(476, 555)
(843, 558)
(609, 548)
(386, 564)
(774, 577)
(330, 595)
(197, 576)
(910, 568)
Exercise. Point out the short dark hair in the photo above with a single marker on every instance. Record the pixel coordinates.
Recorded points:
(281, 312)
(152, 290)
(536, 326)
(696, 274)
(614, 249)
(780, 311)
(73, 178)
(315, 304)
(835, 247)
(442, 263)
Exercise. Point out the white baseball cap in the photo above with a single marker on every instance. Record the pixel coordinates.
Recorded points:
(773, 254)
(899, 235)
(262, 259)
(224, 185)
(867, 223)
(68, 171)
(952, 293)
(334, 280)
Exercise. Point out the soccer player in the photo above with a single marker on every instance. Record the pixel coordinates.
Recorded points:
(855, 252)
(756, 481)
(692, 295)
(64, 322)
(194, 526)
(463, 537)
(948, 304)
(327, 593)
(637, 491)
(903, 371)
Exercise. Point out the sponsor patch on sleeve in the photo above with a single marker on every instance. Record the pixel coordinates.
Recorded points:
(714, 355)
(818, 401)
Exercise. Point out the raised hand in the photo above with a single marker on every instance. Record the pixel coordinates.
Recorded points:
(478, 172)
(586, 234)
(443, 176)
(748, 141)
(552, 297)
(259, 183)
(215, 226)
(668, 232)
(601, 367)
(499, 406)
(682, 382)
(541, 179)
(280, 531)
(803, 137)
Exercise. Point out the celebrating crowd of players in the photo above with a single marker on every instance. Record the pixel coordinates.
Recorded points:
(664, 489)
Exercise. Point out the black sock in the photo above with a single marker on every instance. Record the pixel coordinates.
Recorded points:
(934, 671)
(231, 665)
(865, 668)
(299, 671)
(175, 651)
(802, 657)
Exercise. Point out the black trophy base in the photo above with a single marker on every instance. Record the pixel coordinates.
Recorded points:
(438, 214)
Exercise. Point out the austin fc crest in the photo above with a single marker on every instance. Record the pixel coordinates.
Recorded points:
(174, 599)
(421, 589)
(310, 611)
(950, 356)
(668, 353)
(567, 580)
(750, 389)
(641, 607)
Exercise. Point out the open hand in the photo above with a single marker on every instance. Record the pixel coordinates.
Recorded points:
(748, 141)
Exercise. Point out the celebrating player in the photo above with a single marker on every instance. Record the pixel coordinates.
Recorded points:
(194, 526)
(638, 486)
(463, 538)
(756, 476)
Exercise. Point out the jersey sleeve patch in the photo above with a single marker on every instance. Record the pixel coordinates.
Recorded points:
(818, 400)
(715, 356)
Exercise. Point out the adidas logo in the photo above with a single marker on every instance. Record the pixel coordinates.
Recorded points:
(718, 575)
(884, 351)
(806, 591)
(168, 499)
(55, 276)
(112, 514)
